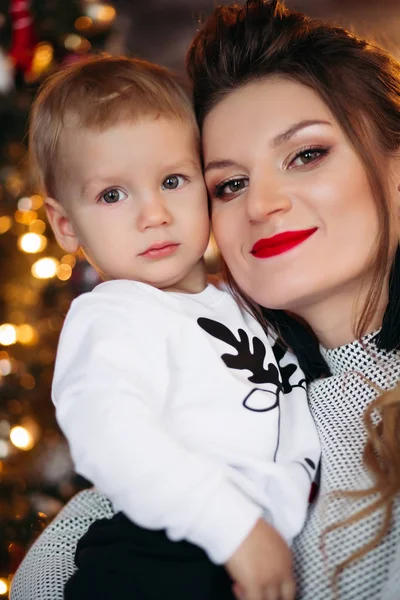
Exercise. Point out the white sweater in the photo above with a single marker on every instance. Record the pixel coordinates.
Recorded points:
(174, 407)
(337, 405)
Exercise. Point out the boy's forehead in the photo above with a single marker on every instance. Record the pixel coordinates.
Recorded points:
(85, 152)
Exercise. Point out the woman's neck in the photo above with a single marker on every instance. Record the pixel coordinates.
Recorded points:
(334, 320)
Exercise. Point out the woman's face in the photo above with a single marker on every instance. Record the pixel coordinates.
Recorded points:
(292, 209)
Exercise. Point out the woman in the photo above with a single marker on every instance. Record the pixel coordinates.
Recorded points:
(301, 127)
(301, 139)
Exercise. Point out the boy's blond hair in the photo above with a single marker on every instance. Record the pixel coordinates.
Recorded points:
(98, 93)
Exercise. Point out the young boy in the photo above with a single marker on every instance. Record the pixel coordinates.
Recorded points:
(168, 392)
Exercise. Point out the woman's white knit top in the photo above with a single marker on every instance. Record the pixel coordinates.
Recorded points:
(337, 404)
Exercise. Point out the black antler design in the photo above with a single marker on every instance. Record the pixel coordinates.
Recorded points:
(245, 358)
(287, 370)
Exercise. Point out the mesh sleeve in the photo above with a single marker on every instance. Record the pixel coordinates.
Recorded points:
(49, 563)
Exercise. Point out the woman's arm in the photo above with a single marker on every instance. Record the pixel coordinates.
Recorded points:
(49, 563)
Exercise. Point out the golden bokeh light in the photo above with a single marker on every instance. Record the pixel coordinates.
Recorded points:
(77, 43)
(5, 366)
(25, 203)
(25, 217)
(36, 202)
(42, 58)
(64, 272)
(28, 381)
(37, 226)
(69, 259)
(83, 23)
(8, 334)
(26, 335)
(5, 224)
(3, 586)
(102, 14)
(4, 449)
(21, 438)
(32, 243)
(45, 268)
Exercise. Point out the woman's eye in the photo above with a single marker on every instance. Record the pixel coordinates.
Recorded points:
(172, 182)
(231, 187)
(113, 196)
(308, 156)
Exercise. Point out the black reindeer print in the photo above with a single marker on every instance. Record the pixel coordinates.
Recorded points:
(286, 371)
(259, 399)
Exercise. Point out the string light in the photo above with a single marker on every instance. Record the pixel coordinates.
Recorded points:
(32, 243)
(101, 13)
(42, 59)
(83, 23)
(25, 217)
(5, 224)
(24, 204)
(4, 449)
(37, 226)
(36, 202)
(64, 272)
(8, 334)
(77, 43)
(5, 367)
(45, 268)
(26, 334)
(21, 438)
(69, 259)
(3, 586)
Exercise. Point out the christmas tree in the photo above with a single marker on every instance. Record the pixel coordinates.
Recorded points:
(37, 280)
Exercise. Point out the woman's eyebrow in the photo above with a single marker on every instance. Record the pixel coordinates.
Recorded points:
(279, 139)
(286, 135)
(219, 164)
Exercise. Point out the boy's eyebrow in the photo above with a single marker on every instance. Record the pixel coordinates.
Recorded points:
(182, 164)
(276, 141)
(97, 180)
(169, 168)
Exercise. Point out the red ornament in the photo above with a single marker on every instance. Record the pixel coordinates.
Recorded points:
(23, 35)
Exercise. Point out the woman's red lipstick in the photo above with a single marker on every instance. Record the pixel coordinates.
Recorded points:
(280, 243)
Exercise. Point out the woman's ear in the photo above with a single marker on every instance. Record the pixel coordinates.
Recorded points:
(62, 226)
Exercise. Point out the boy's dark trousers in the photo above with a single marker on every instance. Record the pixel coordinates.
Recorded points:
(119, 560)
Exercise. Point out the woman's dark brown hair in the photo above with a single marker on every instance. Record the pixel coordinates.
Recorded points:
(360, 83)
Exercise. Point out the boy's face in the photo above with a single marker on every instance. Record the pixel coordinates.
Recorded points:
(133, 198)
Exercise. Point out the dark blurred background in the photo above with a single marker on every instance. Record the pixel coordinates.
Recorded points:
(37, 280)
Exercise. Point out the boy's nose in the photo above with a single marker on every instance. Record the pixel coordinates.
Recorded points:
(153, 213)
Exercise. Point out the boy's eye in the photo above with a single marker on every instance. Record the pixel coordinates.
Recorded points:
(113, 196)
(172, 182)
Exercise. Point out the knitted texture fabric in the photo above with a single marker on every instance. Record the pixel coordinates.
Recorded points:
(337, 404)
(50, 561)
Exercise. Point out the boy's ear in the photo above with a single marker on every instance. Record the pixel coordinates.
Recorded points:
(61, 225)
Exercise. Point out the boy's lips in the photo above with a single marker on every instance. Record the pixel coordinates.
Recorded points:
(160, 249)
(280, 243)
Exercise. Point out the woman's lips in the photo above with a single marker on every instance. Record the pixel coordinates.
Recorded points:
(160, 250)
(280, 243)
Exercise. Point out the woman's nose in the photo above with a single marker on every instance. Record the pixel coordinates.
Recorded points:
(153, 212)
(266, 198)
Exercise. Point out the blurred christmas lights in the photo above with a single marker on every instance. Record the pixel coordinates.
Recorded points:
(8, 334)
(32, 243)
(21, 438)
(3, 586)
(45, 268)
